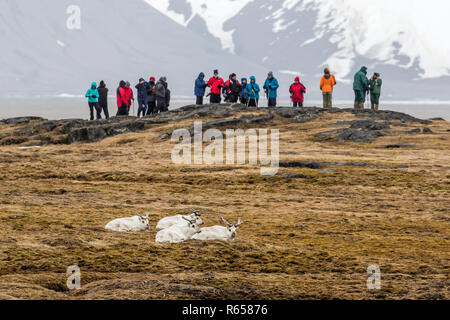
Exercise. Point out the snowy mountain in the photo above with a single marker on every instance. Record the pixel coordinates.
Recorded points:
(117, 40)
(403, 40)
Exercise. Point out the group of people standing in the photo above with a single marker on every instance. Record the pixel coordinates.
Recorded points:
(154, 97)
(363, 86)
(233, 91)
(248, 93)
(98, 100)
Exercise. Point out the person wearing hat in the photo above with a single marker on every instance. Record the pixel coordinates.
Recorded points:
(151, 96)
(216, 84)
(142, 96)
(271, 86)
(375, 84)
(103, 98)
(327, 83)
(360, 86)
(92, 95)
(199, 88)
(297, 91)
(122, 99)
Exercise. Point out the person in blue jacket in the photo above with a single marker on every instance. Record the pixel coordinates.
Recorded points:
(271, 86)
(92, 95)
(142, 88)
(252, 90)
(243, 97)
(199, 89)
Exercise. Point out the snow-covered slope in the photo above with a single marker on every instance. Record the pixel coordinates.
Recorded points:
(214, 13)
(403, 39)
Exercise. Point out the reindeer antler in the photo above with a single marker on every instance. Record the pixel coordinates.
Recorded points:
(225, 221)
(190, 221)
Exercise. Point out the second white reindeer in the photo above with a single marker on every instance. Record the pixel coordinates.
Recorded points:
(219, 233)
(178, 232)
(179, 219)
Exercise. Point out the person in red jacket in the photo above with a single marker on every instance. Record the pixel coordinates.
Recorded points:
(130, 95)
(122, 99)
(297, 90)
(215, 84)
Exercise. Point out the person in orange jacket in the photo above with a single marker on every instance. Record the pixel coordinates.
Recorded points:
(327, 83)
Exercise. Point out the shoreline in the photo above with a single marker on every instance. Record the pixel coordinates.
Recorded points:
(69, 108)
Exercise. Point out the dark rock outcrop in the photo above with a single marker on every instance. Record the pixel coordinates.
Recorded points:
(68, 130)
(295, 176)
(353, 135)
(20, 120)
(398, 146)
(39, 131)
(320, 165)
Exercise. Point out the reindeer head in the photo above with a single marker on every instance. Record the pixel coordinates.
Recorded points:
(144, 220)
(193, 225)
(232, 227)
(195, 215)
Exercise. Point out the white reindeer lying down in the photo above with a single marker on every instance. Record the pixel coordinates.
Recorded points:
(178, 232)
(136, 223)
(219, 233)
(178, 219)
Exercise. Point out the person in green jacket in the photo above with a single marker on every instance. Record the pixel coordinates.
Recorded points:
(375, 84)
(360, 86)
(92, 95)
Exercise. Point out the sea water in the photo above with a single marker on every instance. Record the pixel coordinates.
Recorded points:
(70, 107)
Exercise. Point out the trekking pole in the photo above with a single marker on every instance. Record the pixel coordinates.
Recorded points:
(133, 107)
(368, 103)
(256, 100)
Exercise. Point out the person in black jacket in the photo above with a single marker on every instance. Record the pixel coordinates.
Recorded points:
(234, 89)
(142, 88)
(161, 94)
(103, 98)
(167, 104)
(151, 96)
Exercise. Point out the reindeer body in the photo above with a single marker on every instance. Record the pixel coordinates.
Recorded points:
(130, 224)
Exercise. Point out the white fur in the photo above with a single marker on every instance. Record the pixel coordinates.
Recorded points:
(136, 223)
(218, 233)
(167, 222)
(177, 232)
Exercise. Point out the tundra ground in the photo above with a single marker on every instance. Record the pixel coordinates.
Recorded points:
(310, 238)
